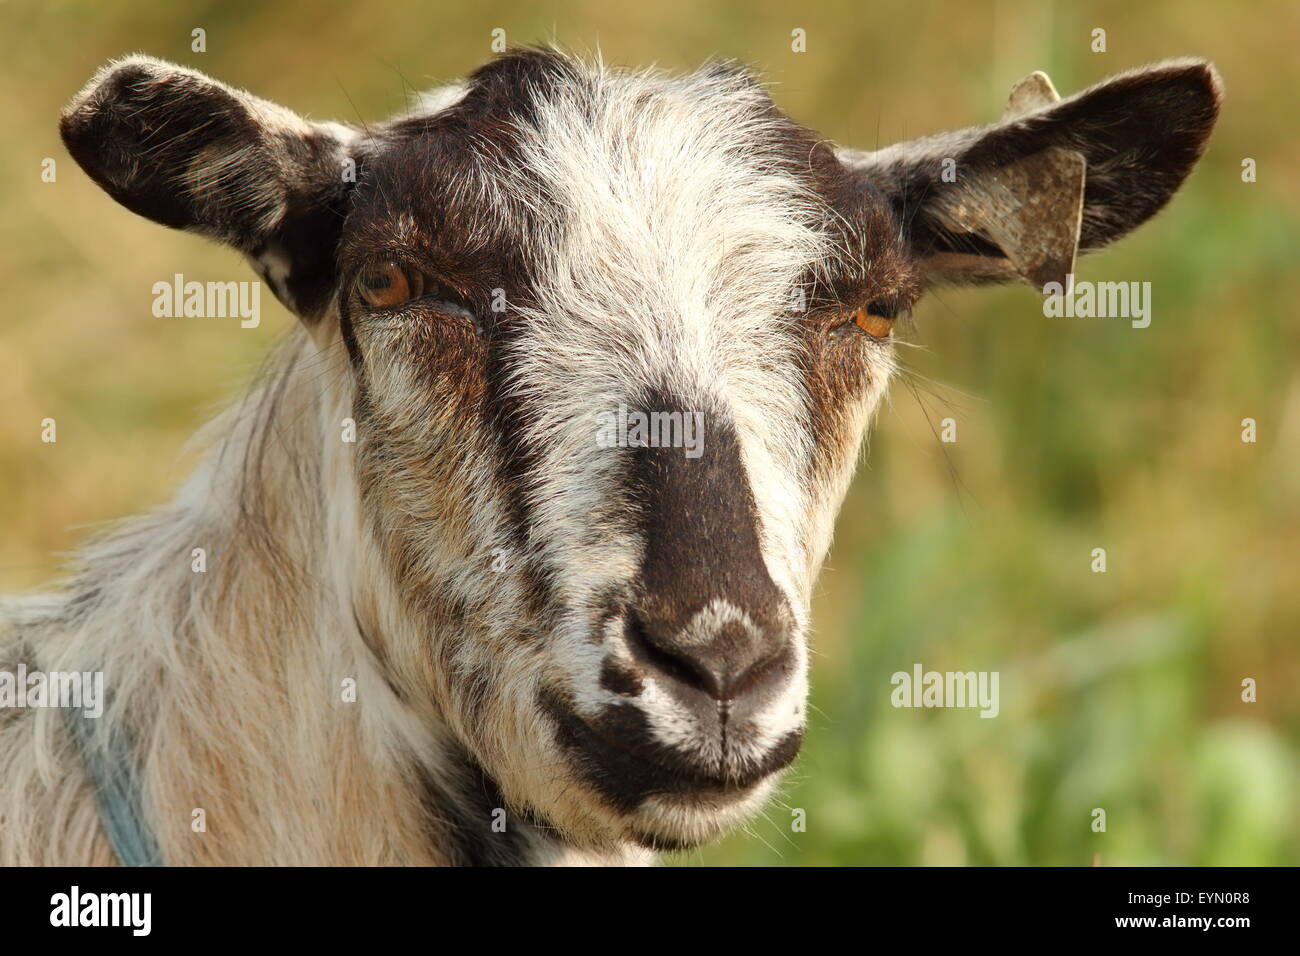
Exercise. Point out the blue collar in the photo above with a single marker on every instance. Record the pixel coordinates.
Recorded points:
(110, 767)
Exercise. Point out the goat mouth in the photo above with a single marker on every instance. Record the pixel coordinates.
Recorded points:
(621, 760)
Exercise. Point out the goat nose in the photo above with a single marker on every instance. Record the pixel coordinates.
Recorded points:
(721, 651)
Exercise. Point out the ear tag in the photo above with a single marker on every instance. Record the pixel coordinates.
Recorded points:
(1031, 209)
(1032, 93)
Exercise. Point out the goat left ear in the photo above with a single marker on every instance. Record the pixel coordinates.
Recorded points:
(1018, 200)
(186, 151)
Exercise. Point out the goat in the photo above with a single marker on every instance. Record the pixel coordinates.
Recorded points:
(478, 633)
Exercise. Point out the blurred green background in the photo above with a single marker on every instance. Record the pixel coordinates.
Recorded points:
(1119, 690)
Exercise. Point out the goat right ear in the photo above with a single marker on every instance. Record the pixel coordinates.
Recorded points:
(1019, 199)
(186, 151)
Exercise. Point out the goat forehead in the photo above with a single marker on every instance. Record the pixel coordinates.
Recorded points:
(643, 190)
(682, 226)
(648, 232)
(674, 195)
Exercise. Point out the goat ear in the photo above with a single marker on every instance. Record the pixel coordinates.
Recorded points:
(1018, 200)
(186, 151)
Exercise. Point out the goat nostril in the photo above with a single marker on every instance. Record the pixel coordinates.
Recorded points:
(728, 664)
(762, 671)
(669, 661)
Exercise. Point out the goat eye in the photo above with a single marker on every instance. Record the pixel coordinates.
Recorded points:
(876, 319)
(386, 285)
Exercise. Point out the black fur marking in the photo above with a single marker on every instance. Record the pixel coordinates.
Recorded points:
(474, 251)
(620, 759)
(619, 679)
(461, 815)
(700, 526)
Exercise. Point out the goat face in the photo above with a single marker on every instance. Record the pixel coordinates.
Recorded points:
(613, 626)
